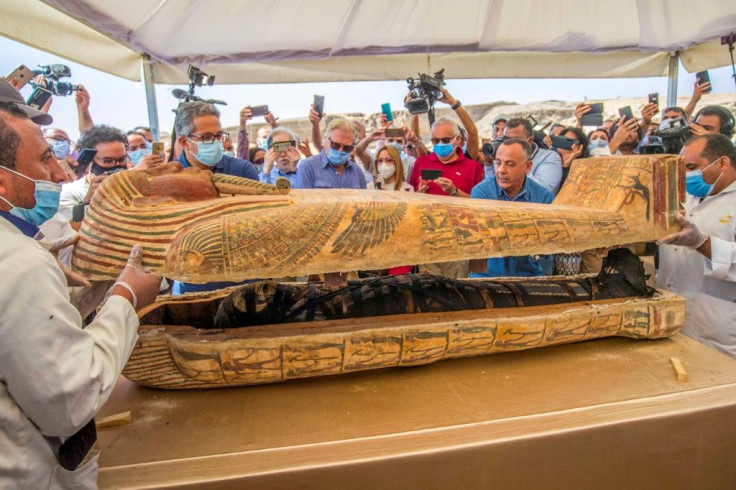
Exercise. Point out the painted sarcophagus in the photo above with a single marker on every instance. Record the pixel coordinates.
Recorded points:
(196, 228)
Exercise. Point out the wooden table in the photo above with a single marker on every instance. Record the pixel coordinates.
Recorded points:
(601, 414)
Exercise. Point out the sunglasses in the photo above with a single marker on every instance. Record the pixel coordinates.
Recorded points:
(444, 141)
(260, 161)
(338, 147)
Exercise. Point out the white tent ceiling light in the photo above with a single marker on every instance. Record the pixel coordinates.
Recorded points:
(287, 41)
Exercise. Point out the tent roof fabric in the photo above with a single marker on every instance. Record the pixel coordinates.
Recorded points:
(284, 41)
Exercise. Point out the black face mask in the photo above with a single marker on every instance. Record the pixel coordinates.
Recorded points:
(96, 169)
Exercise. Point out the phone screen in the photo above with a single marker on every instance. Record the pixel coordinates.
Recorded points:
(38, 98)
(386, 109)
(429, 174)
(626, 112)
(259, 110)
(562, 142)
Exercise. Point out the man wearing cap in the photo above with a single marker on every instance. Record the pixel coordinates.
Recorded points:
(54, 375)
(498, 125)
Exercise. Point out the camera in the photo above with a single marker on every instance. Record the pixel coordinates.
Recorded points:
(51, 75)
(424, 92)
(198, 78)
(669, 138)
(491, 147)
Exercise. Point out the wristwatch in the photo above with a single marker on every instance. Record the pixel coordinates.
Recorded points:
(454, 192)
(457, 105)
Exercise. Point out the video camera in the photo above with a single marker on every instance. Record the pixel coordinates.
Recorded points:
(51, 75)
(424, 92)
(491, 147)
(669, 138)
(197, 78)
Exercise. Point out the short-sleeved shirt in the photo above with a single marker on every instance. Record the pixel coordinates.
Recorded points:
(317, 172)
(229, 166)
(523, 265)
(463, 172)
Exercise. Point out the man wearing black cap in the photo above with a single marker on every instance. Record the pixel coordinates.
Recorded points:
(54, 376)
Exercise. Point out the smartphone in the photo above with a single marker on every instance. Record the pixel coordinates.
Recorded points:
(259, 110)
(430, 174)
(319, 104)
(157, 148)
(654, 98)
(38, 98)
(562, 143)
(703, 77)
(394, 133)
(626, 112)
(22, 75)
(282, 146)
(594, 117)
(83, 160)
(386, 110)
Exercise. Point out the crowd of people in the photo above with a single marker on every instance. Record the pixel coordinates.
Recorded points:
(45, 190)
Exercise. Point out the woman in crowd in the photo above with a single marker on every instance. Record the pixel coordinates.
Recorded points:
(257, 157)
(598, 142)
(387, 174)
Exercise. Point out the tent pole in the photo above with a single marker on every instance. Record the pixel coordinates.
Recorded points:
(672, 79)
(149, 83)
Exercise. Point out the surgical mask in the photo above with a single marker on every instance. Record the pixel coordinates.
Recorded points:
(398, 147)
(264, 144)
(229, 153)
(696, 185)
(386, 171)
(60, 149)
(47, 202)
(135, 156)
(209, 154)
(443, 150)
(337, 157)
(599, 143)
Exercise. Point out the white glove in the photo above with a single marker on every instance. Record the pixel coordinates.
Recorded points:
(690, 236)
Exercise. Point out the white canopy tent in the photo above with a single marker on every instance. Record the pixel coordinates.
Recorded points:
(287, 41)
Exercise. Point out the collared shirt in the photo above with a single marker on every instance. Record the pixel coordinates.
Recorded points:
(228, 166)
(463, 172)
(270, 178)
(29, 230)
(523, 265)
(547, 168)
(316, 172)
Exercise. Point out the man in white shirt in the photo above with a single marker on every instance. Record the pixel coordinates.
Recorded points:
(699, 262)
(54, 375)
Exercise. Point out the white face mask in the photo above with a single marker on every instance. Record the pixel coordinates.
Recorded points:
(386, 171)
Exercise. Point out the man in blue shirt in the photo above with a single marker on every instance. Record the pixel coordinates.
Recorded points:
(546, 164)
(199, 132)
(331, 168)
(510, 183)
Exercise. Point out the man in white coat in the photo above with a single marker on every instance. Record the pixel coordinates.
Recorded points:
(54, 376)
(699, 262)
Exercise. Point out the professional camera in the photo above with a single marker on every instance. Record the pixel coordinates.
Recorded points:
(424, 92)
(491, 147)
(197, 78)
(51, 75)
(669, 138)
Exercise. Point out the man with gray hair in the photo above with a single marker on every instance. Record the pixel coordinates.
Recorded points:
(457, 176)
(331, 168)
(282, 156)
(199, 132)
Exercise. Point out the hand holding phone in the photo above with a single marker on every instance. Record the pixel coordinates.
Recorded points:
(319, 104)
(394, 132)
(19, 77)
(386, 110)
(654, 98)
(562, 143)
(157, 148)
(703, 77)
(626, 113)
(594, 116)
(38, 98)
(83, 160)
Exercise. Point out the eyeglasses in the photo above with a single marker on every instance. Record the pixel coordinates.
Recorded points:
(260, 161)
(384, 160)
(210, 138)
(338, 146)
(114, 161)
(444, 141)
(58, 138)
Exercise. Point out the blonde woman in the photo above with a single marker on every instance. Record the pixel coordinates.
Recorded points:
(388, 171)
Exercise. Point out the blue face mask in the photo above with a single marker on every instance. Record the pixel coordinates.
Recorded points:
(60, 149)
(443, 150)
(209, 154)
(135, 156)
(696, 185)
(337, 157)
(599, 143)
(47, 202)
(398, 147)
(229, 153)
(264, 144)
